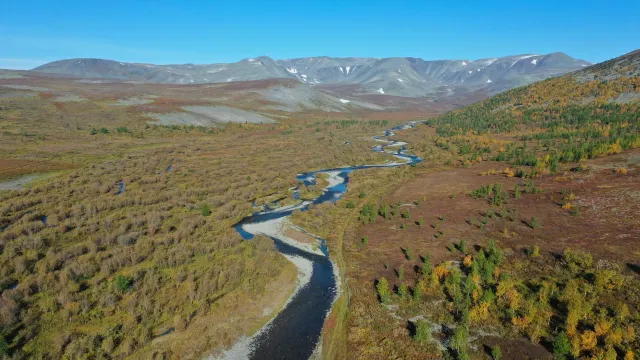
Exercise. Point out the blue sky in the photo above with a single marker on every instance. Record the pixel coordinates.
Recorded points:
(35, 32)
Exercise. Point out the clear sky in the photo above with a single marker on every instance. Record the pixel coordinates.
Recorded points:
(191, 31)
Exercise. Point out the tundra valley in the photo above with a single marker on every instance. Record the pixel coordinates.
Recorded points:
(325, 208)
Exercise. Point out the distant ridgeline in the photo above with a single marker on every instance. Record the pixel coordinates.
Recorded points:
(577, 116)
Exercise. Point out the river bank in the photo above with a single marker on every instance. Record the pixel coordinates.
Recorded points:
(318, 289)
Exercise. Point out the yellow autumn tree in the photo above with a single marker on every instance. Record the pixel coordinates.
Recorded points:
(513, 298)
(521, 322)
(479, 312)
(630, 334)
(588, 340)
(468, 261)
(602, 327)
(614, 337)
(441, 271)
(575, 345)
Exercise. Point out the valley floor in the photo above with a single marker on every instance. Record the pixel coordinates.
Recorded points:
(578, 227)
(117, 235)
(607, 226)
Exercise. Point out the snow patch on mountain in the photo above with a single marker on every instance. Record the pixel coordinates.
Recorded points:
(213, 71)
(489, 62)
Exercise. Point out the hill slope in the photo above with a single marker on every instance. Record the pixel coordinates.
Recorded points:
(581, 115)
(394, 76)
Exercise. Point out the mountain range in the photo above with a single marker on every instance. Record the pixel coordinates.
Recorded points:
(397, 76)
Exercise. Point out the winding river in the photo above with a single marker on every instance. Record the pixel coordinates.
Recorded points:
(294, 333)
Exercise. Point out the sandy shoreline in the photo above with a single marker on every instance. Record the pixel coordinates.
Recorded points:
(276, 228)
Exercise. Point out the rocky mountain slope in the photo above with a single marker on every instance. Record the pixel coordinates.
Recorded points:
(408, 77)
(596, 109)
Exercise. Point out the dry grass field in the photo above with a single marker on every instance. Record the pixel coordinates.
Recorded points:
(123, 245)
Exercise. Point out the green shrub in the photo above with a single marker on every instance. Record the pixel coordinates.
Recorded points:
(123, 283)
(530, 187)
(385, 211)
(577, 260)
(496, 353)
(205, 210)
(460, 340)
(4, 346)
(368, 214)
(403, 292)
(481, 192)
(499, 196)
(534, 251)
(462, 247)
(423, 332)
(417, 293)
(426, 266)
(408, 253)
(561, 346)
(383, 290)
(486, 192)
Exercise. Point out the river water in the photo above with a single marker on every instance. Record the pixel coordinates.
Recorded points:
(295, 331)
